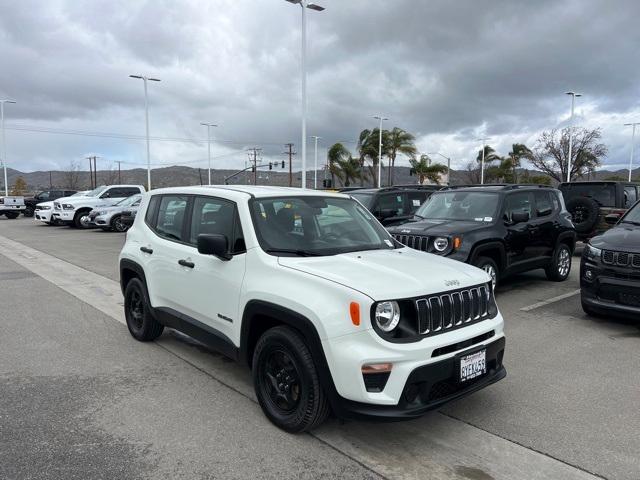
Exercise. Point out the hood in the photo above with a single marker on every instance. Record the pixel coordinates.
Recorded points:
(433, 227)
(95, 202)
(624, 237)
(108, 208)
(390, 274)
(48, 203)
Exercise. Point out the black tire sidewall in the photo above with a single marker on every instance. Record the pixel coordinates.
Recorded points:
(113, 224)
(28, 212)
(150, 328)
(593, 211)
(283, 338)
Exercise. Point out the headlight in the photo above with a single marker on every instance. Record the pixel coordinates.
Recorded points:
(45, 207)
(441, 244)
(592, 253)
(102, 212)
(67, 206)
(387, 315)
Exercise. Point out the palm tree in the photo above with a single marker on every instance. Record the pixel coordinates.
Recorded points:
(337, 154)
(425, 170)
(398, 141)
(368, 144)
(517, 153)
(350, 169)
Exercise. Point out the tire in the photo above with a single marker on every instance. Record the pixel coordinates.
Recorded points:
(297, 403)
(137, 310)
(584, 211)
(490, 266)
(28, 212)
(117, 225)
(12, 215)
(77, 219)
(560, 266)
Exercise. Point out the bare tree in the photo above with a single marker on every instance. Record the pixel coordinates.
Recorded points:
(552, 151)
(109, 176)
(71, 176)
(472, 172)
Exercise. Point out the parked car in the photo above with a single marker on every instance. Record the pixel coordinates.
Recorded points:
(11, 206)
(74, 211)
(589, 203)
(44, 210)
(503, 229)
(314, 294)
(394, 205)
(610, 268)
(44, 196)
(129, 215)
(110, 218)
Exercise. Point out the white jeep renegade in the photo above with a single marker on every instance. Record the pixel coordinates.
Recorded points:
(328, 310)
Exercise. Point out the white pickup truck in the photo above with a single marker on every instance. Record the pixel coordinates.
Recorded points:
(12, 206)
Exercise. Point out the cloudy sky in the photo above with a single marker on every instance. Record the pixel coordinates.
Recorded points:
(449, 72)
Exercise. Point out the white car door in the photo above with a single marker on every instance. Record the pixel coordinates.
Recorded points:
(214, 284)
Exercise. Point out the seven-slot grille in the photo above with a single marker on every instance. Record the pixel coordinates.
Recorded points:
(413, 241)
(447, 311)
(621, 259)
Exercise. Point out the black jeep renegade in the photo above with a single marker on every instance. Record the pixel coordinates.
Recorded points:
(503, 229)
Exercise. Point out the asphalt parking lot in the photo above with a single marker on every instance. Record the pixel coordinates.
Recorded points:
(82, 399)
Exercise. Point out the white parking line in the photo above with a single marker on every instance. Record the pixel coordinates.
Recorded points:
(100, 292)
(551, 300)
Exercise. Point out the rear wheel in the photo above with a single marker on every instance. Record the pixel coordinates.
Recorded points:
(137, 310)
(117, 225)
(12, 215)
(81, 219)
(286, 381)
(488, 265)
(560, 266)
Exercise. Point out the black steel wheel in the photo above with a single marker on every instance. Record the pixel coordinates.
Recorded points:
(286, 381)
(137, 309)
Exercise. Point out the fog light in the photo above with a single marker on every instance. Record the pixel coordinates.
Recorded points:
(588, 274)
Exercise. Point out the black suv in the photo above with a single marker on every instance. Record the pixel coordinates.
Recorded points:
(610, 268)
(503, 229)
(589, 203)
(393, 205)
(45, 196)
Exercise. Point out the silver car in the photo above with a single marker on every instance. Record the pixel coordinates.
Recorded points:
(109, 218)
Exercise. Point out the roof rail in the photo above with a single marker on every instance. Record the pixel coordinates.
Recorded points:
(501, 186)
(415, 187)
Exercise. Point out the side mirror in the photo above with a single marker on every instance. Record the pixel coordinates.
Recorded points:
(612, 218)
(214, 244)
(519, 217)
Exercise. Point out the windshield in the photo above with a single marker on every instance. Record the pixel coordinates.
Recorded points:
(363, 198)
(633, 215)
(129, 200)
(603, 193)
(475, 206)
(96, 192)
(311, 226)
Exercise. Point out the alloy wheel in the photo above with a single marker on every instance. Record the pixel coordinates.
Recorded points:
(564, 262)
(492, 273)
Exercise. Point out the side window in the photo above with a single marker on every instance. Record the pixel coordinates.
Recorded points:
(128, 191)
(630, 196)
(68, 193)
(110, 193)
(544, 207)
(56, 194)
(415, 200)
(216, 216)
(390, 205)
(170, 219)
(152, 208)
(517, 202)
(43, 195)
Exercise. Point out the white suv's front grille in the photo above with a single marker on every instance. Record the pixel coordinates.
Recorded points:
(448, 311)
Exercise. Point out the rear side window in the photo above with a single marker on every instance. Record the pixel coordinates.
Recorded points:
(390, 205)
(630, 196)
(216, 216)
(544, 205)
(171, 215)
(416, 199)
(152, 208)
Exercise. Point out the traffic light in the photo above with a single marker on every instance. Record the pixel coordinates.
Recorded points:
(282, 163)
(270, 166)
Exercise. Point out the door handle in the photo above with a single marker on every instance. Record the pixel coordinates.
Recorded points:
(186, 263)
(146, 250)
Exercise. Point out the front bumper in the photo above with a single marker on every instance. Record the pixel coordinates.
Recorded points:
(611, 289)
(63, 216)
(101, 220)
(43, 215)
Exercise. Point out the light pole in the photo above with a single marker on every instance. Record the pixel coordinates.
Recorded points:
(633, 140)
(448, 159)
(381, 118)
(312, 6)
(209, 125)
(4, 145)
(315, 163)
(484, 144)
(146, 119)
(573, 101)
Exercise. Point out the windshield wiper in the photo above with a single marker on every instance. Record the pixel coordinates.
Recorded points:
(419, 216)
(294, 251)
(631, 222)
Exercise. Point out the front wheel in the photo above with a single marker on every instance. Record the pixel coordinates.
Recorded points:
(12, 215)
(488, 265)
(560, 266)
(117, 225)
(286, 381)
(28, 212)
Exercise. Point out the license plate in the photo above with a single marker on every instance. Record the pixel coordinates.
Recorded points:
(630, 299)
(473, 365)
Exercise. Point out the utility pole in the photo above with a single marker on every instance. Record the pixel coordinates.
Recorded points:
(573, 101)
(91, 172)
(119, 178)
(291, 153)
(253, 159)
(633, 141)
(315, 163)
(50, 183)
(200, 175)
(484, 147)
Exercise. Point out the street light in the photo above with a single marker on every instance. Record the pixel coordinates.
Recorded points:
(484, 144)
(312, 6)
(146, 119)
(315, 163)
(573, 100)
(209, 125)
(448, 159)
(633, 140)
(381, 118)
(4, 145)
